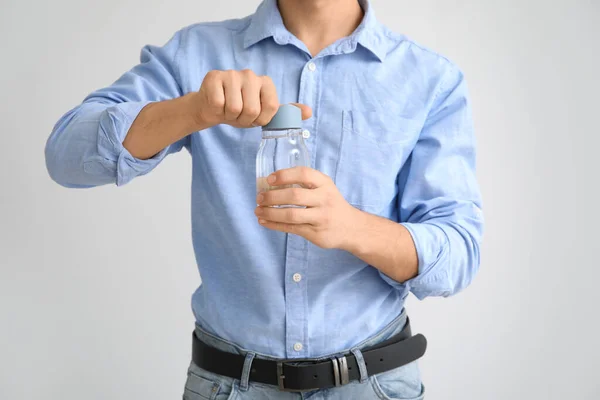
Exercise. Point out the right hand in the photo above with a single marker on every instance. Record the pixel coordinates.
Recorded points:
(238, 98)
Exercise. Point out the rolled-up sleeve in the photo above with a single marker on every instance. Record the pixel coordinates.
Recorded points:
(440, 201)
(86, 149)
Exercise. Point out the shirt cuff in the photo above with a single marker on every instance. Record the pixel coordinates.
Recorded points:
(432, 245)
(115, 123)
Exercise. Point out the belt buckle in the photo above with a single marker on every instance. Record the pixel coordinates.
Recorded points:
(340, 371)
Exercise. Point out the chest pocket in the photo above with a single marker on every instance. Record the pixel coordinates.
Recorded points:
(373, 148)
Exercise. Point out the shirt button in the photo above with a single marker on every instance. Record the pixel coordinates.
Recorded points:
(298, 346)
(297, 278)
(305, 134)
(312, 67)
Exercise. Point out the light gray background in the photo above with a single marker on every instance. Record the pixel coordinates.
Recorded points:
(95, 284)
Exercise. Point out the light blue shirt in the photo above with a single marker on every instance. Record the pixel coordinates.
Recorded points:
(391, 125)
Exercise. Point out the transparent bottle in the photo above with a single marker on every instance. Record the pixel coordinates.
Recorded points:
(282, 147)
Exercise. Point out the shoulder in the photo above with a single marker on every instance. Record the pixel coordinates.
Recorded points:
(230, 25)
(212, 31)
(208, 38)
(204, 30)
(402, 48)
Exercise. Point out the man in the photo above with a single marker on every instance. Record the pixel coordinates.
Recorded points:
(392, 203)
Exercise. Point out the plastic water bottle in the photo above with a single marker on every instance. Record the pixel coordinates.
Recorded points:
(282, 147)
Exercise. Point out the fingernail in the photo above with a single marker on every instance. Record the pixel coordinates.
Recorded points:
(258, 210)
(261, 221)
(271, 179)
(260, 198)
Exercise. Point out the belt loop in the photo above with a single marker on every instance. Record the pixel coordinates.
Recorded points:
(362, 368)
(246, 371)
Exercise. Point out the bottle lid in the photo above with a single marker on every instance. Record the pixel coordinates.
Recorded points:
(287, 117)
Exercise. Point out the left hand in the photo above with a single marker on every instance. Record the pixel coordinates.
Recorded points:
(327, 219)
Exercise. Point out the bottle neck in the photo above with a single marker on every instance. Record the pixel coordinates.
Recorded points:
(281, 133)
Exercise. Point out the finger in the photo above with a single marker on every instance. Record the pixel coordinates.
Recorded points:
(307, 177)
(295, 196)
(300, 230)
(250, 98)
(288, 215)
(269, 102)
(233, 95)
(306, 110)
(213, 89)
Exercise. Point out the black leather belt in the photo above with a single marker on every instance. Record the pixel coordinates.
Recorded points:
(306, 374)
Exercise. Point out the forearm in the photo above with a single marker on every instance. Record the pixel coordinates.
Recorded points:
(384, 244)
(161, 124)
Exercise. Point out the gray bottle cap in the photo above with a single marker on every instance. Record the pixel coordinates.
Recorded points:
(287, 117)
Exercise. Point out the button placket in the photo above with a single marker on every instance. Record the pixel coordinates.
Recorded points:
(296, 301)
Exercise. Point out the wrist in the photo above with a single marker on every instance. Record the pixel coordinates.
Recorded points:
(352, 240)
(193, 116)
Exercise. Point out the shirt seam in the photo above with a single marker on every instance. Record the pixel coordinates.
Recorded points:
(176, 66)
(442, 86)
(399, 38)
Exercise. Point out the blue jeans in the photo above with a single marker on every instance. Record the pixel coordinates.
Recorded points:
(402, 383)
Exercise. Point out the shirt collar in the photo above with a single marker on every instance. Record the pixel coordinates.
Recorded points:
(266, 22)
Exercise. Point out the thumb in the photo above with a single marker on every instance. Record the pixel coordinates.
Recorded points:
(306, 110)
